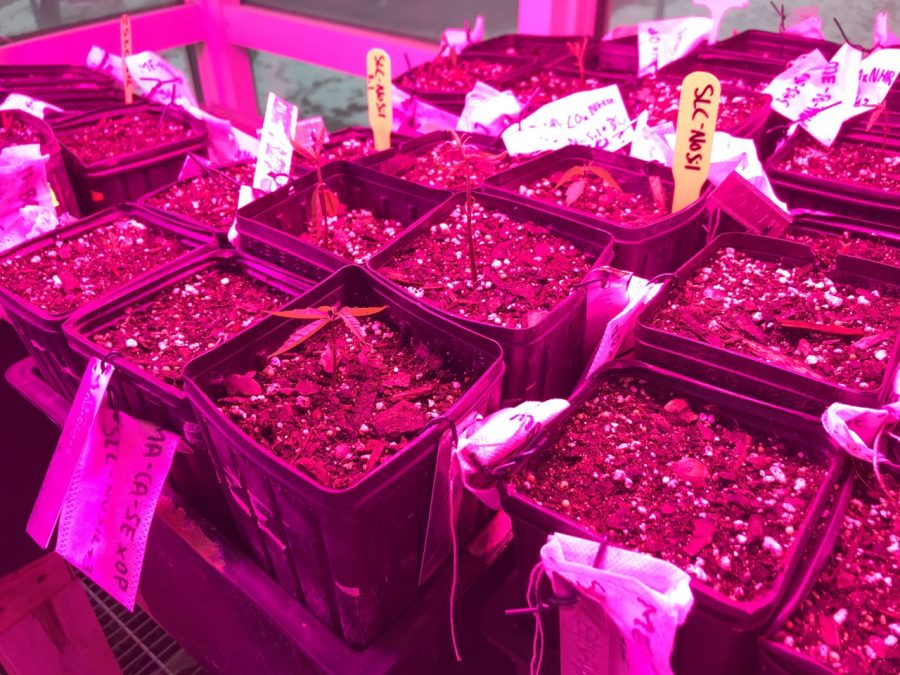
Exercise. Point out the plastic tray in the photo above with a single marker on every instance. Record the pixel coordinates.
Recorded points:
(648, 250)
(40, 331)
(141, 395)
(437, 95)
(761, 45)
(544, 360)
(56, 168)
(352, 555)
(531, 46)
(720, 634)
(127, 177)
(268, 227)
(658, 346)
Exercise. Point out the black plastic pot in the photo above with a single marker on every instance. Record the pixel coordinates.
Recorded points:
(127, 177)
(140, 394)
(544, 360)
(56, 168)
(657, 247)
(720, 634)
(271, 226)
(351, 555)
(756, 375)
(40, 331)
(765, 46)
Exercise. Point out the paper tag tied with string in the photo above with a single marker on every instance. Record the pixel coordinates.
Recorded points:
(273, 165)
(623, 608)
(106, 516)
(595, 118)
(663, 42)
(73, 443)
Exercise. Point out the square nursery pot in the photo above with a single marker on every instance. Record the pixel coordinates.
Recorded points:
(214, 191)
(13, 77)
(141, 394)
(127, 176)
(452, 85)
(41, 329)
(720, 633)
(832, 236)
(31, 127)
(657, 246)
(402, 162)
(355, 144)
(538, 47)
(544, 359)
(760, 373)
(871, 152)
(351, 555)
(275, 227)
(761, 45)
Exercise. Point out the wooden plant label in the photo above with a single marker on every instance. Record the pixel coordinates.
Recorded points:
(378, 85)
(125, 34)
(698, 110)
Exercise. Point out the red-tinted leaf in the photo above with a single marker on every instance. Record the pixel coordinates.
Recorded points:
(242, 385)
(575, 190)
(300, 336)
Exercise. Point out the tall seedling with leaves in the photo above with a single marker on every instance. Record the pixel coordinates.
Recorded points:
(324, 203)
(579, 51)
(321, 317)
(577, 178)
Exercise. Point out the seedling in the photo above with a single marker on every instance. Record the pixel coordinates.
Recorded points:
(323, 316)
(875, 115)
(579, 51)
(780, 13)
(577, 178)
(324, 203)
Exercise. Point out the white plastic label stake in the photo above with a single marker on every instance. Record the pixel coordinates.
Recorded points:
(718, 9)
(273, 164)
(663, 42)
(107, 512)
(71, 446)
(596, 119)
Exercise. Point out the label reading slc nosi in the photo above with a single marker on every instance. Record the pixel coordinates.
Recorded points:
(125, 35)
(378, 87)
(741, 200)
(698, 111)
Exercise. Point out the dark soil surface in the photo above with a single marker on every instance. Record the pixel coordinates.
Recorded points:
(69, 272)
(679, 480)
(552, 85)
(846, 162)
(523, 269)
(661, 97)
(210, 198)
(188, 319)
(453, 76)
(598, 198)
(442, 166)
(337, 427)
(851, 619)
(16, 132)
(122, 135)
(355, 234)
(741, 303)
(827, 246)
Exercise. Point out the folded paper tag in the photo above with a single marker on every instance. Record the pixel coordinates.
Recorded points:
(160, 80)
(667, 40)
(26, 200)
(489, 111)
(412, 116)
(30, 105)
(273, 165)
(107, 512)
(596, 119)
(73, 442)
(857, 430)
(627, 607)
(744, 202)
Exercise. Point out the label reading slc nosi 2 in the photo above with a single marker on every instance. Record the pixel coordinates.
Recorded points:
(698, 111)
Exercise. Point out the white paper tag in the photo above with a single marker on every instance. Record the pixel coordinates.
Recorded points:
(273, 164)
(881, 33)
(628, 607)
(460, 38)
(109, 64)
(789, 90)
(161, 81)
(72, 445)
(489, 111)
(805, 22)
(717, 10)
(107, 512)
(30, 105)
(26, 202)
(596, 119)
(412, 116)
(663, 42)
(855, 429)
(877, 74)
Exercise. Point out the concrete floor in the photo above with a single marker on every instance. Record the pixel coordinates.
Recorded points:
(340, 98)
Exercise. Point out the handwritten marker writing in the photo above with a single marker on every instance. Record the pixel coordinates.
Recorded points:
(378, 85)
(698, 111)
(125, 34)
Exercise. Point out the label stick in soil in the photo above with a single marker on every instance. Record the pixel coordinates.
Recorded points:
(378, 85)
(698, 111)
(125, 34)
